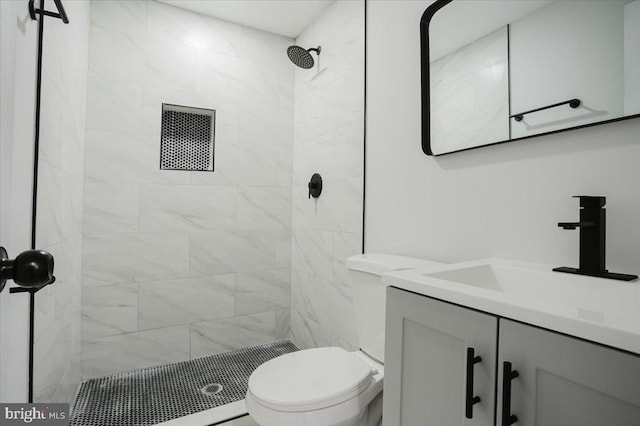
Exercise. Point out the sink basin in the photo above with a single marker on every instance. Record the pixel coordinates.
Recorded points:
(598, 309)
(540, 282)
(489, 276)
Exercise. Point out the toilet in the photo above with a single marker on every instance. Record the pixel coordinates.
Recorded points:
(331, 386)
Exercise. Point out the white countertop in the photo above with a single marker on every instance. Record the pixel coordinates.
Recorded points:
(600, 310)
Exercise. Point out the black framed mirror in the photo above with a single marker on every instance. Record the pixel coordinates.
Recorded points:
(496, 71)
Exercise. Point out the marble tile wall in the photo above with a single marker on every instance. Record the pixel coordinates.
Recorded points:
(470, 95)
(57, 344)
(176, 264)
(328, 139)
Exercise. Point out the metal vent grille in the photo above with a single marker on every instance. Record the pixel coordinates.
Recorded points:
(187, 139)
(158, 394)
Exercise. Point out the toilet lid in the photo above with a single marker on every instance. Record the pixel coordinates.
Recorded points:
(310, 379)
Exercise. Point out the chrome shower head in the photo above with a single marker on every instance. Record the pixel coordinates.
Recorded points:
(302, 57)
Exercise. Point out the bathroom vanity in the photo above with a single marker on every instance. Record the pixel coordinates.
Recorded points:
(498, 342)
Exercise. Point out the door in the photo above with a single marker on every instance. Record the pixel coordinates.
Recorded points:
(427, 356)
(565, 381)
(18, 42)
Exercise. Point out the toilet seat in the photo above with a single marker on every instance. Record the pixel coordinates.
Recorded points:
(311, 379)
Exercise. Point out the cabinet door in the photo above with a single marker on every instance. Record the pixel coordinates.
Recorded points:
(426, 362)
(563, 381)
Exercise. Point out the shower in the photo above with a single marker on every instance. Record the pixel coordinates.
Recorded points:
(160, 340)
(301, 57)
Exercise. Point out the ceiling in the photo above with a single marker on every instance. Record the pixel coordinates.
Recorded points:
(285, 17)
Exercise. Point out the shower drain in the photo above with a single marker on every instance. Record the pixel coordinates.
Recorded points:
(211, 389)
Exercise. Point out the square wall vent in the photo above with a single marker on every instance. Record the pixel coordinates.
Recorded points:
(187, 138)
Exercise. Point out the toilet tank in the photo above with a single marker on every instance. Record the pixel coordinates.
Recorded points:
(369, 295)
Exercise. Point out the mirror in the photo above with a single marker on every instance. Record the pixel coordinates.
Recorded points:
(499, 71)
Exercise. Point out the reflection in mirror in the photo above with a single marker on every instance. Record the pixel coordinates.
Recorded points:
(504, 70)
(470, 94)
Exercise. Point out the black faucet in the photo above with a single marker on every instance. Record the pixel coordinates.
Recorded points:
(592, 226)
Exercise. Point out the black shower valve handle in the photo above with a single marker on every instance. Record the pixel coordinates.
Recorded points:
(315, 186)
(30, 269)
(312, 187)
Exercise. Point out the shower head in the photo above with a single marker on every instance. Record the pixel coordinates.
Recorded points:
(302, 57)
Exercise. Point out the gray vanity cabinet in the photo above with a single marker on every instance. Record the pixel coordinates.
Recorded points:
(566, 381)
(556, 380)
(426, 356)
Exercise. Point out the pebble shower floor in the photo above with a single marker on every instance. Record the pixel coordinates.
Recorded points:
(157, 394)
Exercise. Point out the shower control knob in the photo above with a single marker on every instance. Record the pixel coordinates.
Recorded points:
(31, 268)
(315, 186)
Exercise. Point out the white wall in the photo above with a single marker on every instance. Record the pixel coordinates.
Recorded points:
(495, 201)
(18, 42)
(183, 264)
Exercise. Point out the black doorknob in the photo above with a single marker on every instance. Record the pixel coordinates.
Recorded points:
(31, 268)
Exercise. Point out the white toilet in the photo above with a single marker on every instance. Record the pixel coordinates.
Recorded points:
(330, 386)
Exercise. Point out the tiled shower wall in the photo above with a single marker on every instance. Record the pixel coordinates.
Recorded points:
(328, 139)
(177, 264)
(59, 204)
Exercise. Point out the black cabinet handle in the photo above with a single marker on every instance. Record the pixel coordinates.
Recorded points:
(508, 374)
(470, 399)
